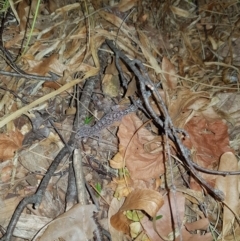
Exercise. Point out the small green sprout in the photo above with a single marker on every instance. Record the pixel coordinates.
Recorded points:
(88, 120)
(4, 5)
(159, 217)
(98, 188)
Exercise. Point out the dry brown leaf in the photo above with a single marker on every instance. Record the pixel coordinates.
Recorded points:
(7, 208)
(201, 224)
(52, 85)
(170, 216)
(113, 209)
(145, 46)
(140, 199)
(112, 69)
(17, 38)
(28, 225)
(9, 143)
(120, 222)
(71, 111)
(22, 11)
(193, 54)
(208, 133)
(111, 85)
(195, 237)
(68, 7)
(229, 186)
(229, 106)
(125, 5)
(51, 206)
(42, 154)
(208, 140)
(141, 164)
(76, 224)
(6, 99)
(33, 49)
(123, 186)
(181, 12)
(132, 88)
(117, 162)
(52, 6)
(193, 196)
(185, 105)
(43, 67)
(143, 199)
(234, 235)
(117, 22)
(213, 42)
(168, 67)
(6, 173)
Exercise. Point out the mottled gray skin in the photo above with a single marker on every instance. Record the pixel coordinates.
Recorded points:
(106, 121)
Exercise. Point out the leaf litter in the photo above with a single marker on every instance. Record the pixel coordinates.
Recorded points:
(191, 53)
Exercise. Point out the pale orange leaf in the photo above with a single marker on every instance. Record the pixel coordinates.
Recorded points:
(9, 143)
(229, 186)
(140, 163)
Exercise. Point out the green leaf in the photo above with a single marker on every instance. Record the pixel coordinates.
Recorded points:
(134, 215)
(159, 217)
(88, 120)
(156, 218)
(4, 5)
(98, 187)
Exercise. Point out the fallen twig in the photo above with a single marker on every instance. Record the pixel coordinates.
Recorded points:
(147, 89)
(37, 197)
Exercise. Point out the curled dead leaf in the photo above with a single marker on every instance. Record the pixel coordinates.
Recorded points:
(172, 212)
(140, 199)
